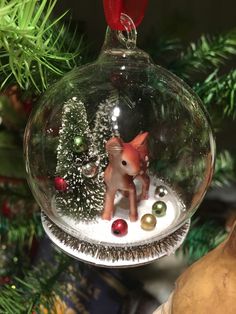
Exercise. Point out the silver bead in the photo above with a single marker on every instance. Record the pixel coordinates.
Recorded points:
(90, 170)
(161, 191)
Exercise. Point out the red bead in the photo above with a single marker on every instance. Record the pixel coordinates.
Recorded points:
(119, 227)
(60, 184)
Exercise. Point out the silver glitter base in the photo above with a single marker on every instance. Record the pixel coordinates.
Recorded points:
(114, 256)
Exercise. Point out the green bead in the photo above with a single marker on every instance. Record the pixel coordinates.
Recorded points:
(159, 209)
(79, 144)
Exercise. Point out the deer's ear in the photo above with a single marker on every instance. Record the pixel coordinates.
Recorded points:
(115, 144)
(139, 140)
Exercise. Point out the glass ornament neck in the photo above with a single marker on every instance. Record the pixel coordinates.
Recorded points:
(122, 43)
(121, 39)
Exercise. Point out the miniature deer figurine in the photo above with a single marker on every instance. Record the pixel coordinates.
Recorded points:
(126, 162)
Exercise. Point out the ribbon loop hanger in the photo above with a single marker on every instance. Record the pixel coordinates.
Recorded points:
(113, 9)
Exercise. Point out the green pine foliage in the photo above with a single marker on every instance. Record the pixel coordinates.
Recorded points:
(202, 238)
(224, 169)
(207, 54)
(218, 93)
(36, 290)
(33, 47)
(21, 230)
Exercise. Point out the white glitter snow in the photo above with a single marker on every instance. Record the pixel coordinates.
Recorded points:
(100, 230)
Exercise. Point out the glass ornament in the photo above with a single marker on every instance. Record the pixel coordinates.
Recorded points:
(142, 128)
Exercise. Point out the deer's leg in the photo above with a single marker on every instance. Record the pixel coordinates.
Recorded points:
(109, 204)
(124, 193)
(144, 178)
(133, 214)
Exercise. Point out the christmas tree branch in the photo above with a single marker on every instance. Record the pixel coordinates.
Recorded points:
(21, 228)
(219, 91)
(224, 169)
(207, 54)
(202, 238)
(163, 49)
(31, 44)
(37, 291)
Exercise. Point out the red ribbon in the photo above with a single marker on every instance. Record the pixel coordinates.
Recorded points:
(133, 8)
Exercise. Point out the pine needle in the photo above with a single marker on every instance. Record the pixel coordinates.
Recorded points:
(39, 288)
(219, 91)
(206, 55)
(32, 45)
(21, 229)
(224, 170)
(163, 49)
(202, 238)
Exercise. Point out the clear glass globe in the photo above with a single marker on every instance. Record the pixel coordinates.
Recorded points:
(119, 138)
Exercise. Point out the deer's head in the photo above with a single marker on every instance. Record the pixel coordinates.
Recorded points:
(127, 157)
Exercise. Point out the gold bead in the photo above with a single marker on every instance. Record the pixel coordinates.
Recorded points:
(148, 222)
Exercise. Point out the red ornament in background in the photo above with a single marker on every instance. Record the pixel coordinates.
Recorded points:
(119, 227)
(60, 184)
(27, 106)
(6, 209)
(4, 280)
